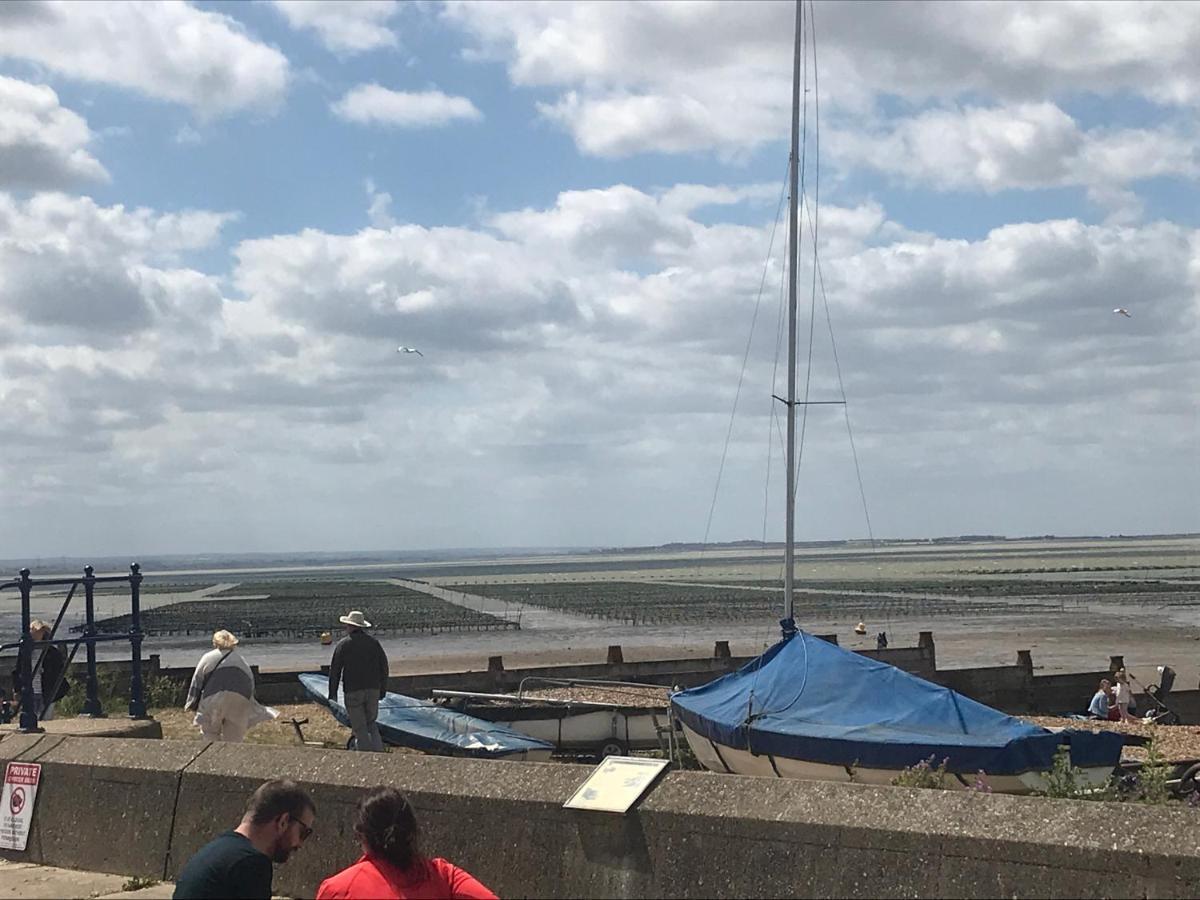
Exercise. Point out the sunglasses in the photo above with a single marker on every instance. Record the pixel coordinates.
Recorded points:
(305, 830)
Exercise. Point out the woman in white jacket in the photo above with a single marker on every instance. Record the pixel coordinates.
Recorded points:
(222, 693)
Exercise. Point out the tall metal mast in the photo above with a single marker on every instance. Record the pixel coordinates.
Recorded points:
(789, 552)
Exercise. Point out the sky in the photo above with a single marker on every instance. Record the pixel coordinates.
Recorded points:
(218, 221)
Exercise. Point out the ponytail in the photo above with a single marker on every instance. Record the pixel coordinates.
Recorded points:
(386, 823)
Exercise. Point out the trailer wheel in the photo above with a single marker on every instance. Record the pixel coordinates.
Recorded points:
(1187, 784)
(611, 747)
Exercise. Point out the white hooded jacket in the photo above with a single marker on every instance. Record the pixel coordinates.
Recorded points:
(221, 673)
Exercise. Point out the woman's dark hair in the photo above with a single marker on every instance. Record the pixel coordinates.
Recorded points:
(388, 826)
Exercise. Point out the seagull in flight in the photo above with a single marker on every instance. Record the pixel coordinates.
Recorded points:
(1122, 311)
(410, 350)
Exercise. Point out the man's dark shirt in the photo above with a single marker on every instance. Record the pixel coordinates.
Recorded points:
(360, 662)
(227, 866)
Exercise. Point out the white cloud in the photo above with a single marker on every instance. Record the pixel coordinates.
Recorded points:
(344, 28)
(42, 144)
(1027, 146)
(580, 355)
(1130, 154)
(72, 268)
(188, 135)
(379, 212)
(672, 77)
(687, 198)
(371, 104)
(168, 50)
(622, 124)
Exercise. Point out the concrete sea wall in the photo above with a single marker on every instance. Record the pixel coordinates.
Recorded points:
(142, 807)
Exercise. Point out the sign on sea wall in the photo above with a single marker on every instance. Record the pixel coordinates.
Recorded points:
(16, 803)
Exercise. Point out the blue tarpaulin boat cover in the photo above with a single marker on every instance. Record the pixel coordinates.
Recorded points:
(808, 699)
(408, 722)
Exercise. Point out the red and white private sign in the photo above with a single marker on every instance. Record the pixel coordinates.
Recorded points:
(16, 803)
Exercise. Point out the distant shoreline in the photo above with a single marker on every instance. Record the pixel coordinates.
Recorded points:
(163, 563)
(250, 563)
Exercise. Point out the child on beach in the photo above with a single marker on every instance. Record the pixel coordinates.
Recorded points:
(1123, 696)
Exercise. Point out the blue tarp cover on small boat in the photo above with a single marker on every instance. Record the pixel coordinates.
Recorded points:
(808, 699)
(408, 722)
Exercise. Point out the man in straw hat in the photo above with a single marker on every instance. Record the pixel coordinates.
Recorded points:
(222, 692)
(361, 667)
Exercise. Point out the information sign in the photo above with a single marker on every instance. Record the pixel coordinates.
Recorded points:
(617, 783)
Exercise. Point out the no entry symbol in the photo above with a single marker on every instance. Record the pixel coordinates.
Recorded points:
(16, 802)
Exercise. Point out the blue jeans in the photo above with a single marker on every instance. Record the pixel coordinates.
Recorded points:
(363, 709)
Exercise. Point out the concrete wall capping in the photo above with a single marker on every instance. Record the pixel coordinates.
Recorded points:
(142, 807)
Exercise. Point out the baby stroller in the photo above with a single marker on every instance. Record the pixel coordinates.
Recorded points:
(1160, 713)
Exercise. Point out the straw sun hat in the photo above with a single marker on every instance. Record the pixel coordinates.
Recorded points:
(355, 618)
(224, 640)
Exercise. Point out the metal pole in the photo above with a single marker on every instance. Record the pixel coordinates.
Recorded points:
(92, 706)
(137, 705)
(789, 551)
(29, 715)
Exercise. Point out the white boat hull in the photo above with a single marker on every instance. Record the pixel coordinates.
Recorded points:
(592, 730)
(719, 758)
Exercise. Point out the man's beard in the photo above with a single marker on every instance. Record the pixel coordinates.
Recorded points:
(282, 855)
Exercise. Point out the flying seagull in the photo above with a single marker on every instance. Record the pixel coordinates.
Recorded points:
(409, 350)
(1122, 311)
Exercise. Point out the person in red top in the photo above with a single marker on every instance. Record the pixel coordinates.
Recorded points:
(392, 867)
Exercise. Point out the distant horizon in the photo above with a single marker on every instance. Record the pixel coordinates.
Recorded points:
(454, 553)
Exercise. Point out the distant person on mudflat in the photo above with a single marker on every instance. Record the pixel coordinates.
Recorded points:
(47, 667)
(278, 820)
(360, 666)
(1098, 708)
(392, 866)
(222, 693)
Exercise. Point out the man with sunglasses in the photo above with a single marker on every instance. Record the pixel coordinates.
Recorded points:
(278, 819)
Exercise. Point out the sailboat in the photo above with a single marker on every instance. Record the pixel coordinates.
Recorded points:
(809, 709)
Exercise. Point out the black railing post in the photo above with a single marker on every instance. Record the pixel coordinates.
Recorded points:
(29, 715)
(137, 705)
(92, 706)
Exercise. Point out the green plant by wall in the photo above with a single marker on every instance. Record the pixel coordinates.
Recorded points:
(923, 775)
(1064, 781)
(112, 689)
(1067, 782)
(163, 693)
(1151, 785)
(980, 785)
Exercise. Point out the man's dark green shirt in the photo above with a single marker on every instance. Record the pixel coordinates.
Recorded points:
(227, 866)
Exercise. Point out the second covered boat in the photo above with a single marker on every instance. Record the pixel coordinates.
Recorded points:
(810, 709)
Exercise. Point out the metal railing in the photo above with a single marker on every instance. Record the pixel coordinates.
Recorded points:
(26, 668)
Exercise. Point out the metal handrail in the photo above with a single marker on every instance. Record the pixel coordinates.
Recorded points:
(25, 646)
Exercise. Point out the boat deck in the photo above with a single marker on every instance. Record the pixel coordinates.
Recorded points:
(639, 697)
